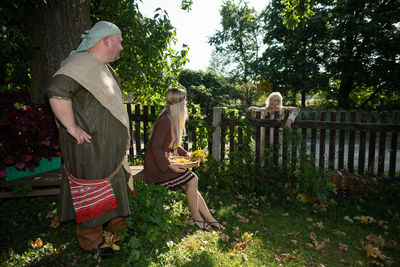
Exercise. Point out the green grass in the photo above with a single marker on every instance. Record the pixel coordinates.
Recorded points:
(260, 231)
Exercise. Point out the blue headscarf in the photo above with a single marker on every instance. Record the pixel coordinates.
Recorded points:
(100, 30)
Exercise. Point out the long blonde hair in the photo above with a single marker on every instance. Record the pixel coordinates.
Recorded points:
(274, 94)
(177, 112)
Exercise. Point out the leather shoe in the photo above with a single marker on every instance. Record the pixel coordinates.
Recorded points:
(130, 231)
(102, 252)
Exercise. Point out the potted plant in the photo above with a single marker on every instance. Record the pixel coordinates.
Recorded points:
(28, 137)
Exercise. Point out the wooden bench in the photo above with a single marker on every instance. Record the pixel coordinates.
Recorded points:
(48, 183)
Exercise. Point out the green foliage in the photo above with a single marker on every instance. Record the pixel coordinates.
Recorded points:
(239, 40)
(156, 215)
(207, 88)
(16, 46)
(295, 11)
(148, 65)
(347, 50)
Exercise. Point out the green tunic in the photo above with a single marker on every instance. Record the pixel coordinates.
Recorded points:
(95, 160)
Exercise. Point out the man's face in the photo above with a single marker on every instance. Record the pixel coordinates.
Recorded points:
(115, 46)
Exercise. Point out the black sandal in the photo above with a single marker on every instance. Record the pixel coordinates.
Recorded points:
(216, 225)
(204, 225)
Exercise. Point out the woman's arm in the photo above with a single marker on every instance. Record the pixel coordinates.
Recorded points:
(254, 110)
(293, 113)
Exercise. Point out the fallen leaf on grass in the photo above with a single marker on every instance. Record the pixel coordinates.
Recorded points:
(224, 237)
(320, 225)
(336, 231)
(359, 263)
(308, 219)
(236, 230)
(320, 246)
(309, 245)
(294, 241)
(376, 240)
(231, 254)
(390, 244)
(242, 219)
(38, 243)
(347, 218)
(110, 239)
(312, 236)
(292, 234)
(55, 222)
(245, 235)
(364, 219)
(285, 214)
(191, 246)
(343, 247)
(245, 257)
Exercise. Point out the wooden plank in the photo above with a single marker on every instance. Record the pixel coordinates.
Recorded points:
(193, 131)
(295, 142)
(129, 110)
(231, 134)
(34, 193)
(258, 137)
(332, 144)
(350, 160)
(145, 124)
(372, 143)
(137, 130)
(216, 135)
(223, 135)
(51, 178)
(303, 144)
(342, 135)
(393, 148)
(313, 139)
(362, 146)
(382, 146)
(322, 133)
(285, 145)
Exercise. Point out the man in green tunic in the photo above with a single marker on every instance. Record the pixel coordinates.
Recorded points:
(85, 96)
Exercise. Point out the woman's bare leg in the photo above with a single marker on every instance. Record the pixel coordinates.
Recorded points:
(197, 205)
(192, 198)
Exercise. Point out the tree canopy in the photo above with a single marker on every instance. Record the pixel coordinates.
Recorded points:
(147, 67)
(347, 51)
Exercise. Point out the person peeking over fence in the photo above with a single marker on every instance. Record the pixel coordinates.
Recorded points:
(273, 107)
(165, 141)
(273, 104)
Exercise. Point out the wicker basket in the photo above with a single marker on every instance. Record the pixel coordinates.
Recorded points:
(185, 165)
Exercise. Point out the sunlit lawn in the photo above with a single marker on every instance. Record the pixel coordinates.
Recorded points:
(260, 231)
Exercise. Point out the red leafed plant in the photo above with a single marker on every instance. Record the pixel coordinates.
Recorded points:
(28, 132)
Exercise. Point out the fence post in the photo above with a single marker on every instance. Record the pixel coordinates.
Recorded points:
(216, 136)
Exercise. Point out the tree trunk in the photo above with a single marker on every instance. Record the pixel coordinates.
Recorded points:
(57, 27)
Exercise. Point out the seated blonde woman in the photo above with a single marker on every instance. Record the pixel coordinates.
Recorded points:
(166, 139)
(273, 105)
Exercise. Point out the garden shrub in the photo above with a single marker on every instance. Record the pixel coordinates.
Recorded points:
(28, 132)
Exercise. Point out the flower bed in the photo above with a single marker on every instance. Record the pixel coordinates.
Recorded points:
(28, 133)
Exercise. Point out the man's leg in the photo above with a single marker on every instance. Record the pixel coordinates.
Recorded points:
(89, 238)
(116, 224)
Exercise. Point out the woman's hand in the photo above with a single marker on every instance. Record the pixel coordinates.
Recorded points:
(288, 124)
(176, 167)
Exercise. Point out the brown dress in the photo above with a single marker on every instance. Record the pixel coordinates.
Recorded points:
(156, 160)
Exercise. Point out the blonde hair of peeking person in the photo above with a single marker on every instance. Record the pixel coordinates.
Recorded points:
(177, 112)
(273, 95)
